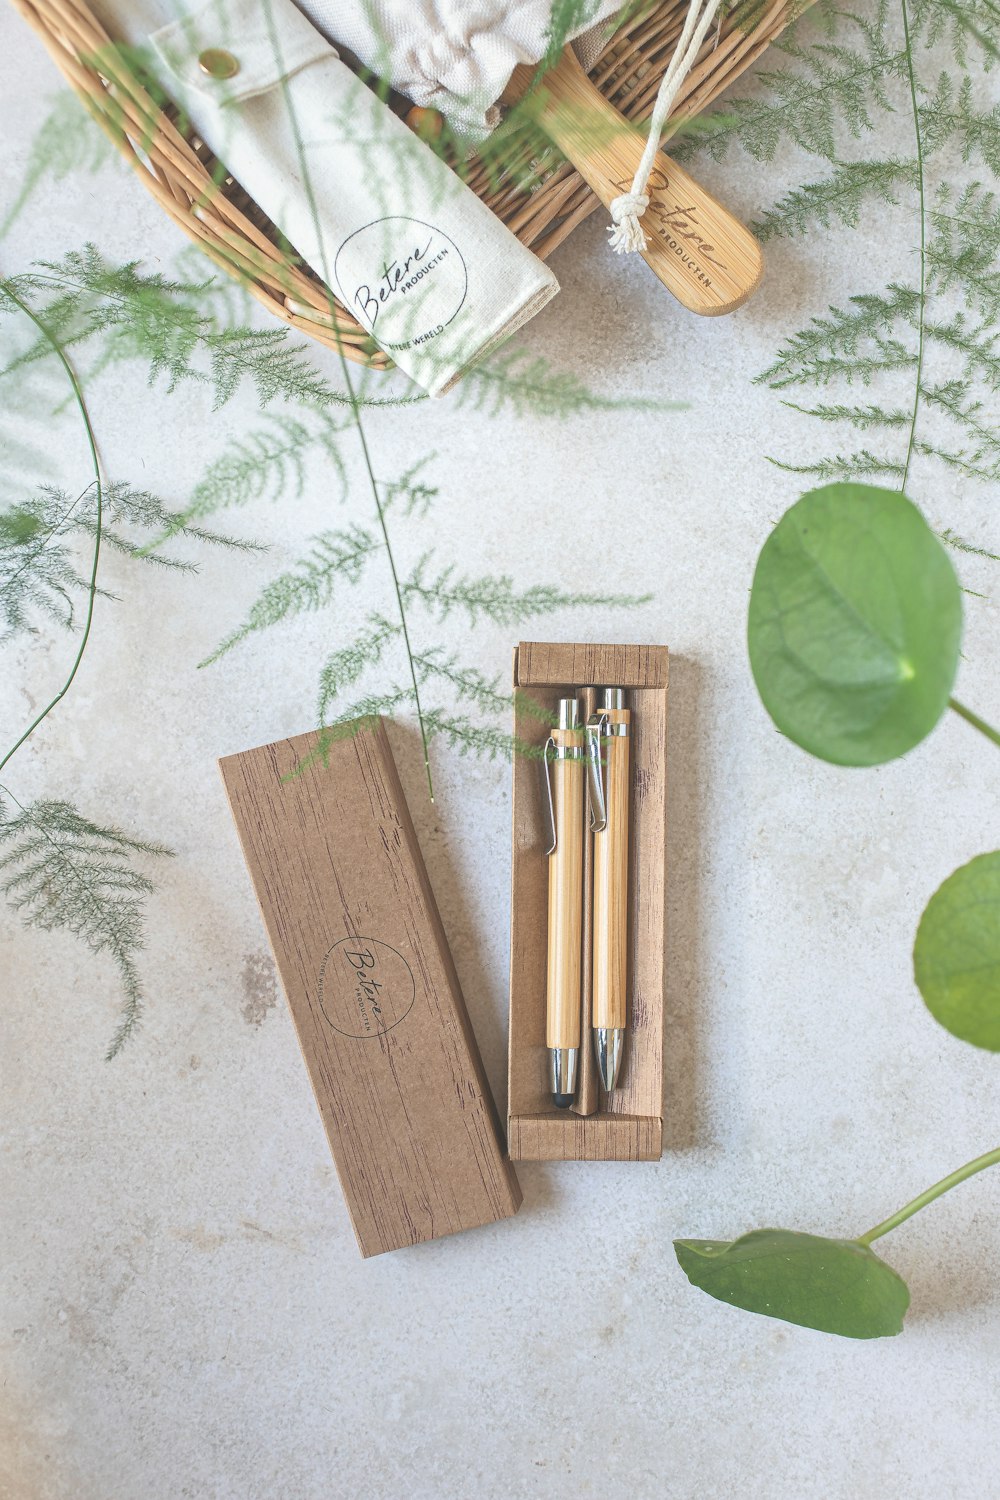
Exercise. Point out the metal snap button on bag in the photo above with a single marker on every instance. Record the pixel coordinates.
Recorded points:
(218, 63)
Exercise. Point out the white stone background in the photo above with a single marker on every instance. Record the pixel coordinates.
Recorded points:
(184, 1311)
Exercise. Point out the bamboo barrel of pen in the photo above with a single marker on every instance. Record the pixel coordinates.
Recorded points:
(565, 928)
(532, 189)
(610, 1001)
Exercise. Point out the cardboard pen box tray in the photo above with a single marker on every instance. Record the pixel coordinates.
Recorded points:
(628, 1124)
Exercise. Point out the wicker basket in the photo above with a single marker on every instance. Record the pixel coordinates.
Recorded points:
(537, 193)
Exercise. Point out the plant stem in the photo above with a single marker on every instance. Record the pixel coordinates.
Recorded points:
(990, 1159)
(92, 444)
(923, 246)
(353, 401)
(395, 578)
(975, 720)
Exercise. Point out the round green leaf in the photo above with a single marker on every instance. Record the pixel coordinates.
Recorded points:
(837, 1286)
(855, 622)
(956, 955)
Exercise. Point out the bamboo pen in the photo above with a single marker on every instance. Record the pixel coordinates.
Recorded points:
(608, 757)
(564, 779)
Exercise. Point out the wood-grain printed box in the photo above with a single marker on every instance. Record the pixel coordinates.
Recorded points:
(372, 988)
(628, 1124)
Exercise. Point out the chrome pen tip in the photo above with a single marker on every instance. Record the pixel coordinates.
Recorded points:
(608, 1045)
(563, 1061)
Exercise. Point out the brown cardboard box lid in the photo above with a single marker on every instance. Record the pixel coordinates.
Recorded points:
(371, 986)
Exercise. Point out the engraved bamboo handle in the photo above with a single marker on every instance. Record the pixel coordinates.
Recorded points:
(611, 885)
(698, 249)
(566, 894)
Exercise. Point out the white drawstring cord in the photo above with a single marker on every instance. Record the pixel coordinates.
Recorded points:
(626, 210)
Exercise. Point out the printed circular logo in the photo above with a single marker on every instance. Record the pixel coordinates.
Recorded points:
(365, 987)
(403, 279)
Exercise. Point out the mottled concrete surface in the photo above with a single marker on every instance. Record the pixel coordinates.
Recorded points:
(184, 1312)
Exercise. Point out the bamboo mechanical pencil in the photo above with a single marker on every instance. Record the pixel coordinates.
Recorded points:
(564, 780)
(608, 759)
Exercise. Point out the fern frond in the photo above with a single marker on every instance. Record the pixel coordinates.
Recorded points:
(887, 356)
(565, 18)
(67, 144)
(163, 322)
(977, 347)
(968, 464)
(60, 870)
(837, 198)
(864, 418)
(980, 460)
(861, 465)
(37, 569)
(961, 545)
(146, 513)
(949, 118)
(964, 248)
(371, 706)
(855, 343)
(268, 463)
(468, 738)
(37, 562)
(411, 492)
(333, 556)
(976, 19)
(343, 668)
(895, 331)
(495, 598)
(529, 386)
(87, 295)
(961, 21)
(267, 358)
(346, 725)
(952, 397)
(829, 87)
(468, 682)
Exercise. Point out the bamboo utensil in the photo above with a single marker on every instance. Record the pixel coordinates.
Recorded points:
(564, 780)
(608, 759)
(698, 249)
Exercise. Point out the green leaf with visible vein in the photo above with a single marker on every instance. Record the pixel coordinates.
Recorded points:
(854, 625)
(835, 1286)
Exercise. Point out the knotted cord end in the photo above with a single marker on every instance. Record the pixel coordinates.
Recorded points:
(627, 234)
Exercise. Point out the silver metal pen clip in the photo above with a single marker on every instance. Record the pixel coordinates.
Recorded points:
(569, 718)
(548, 756)
(600, 730)
(597, 733)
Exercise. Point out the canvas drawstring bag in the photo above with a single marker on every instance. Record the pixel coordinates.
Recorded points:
(457, 57)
